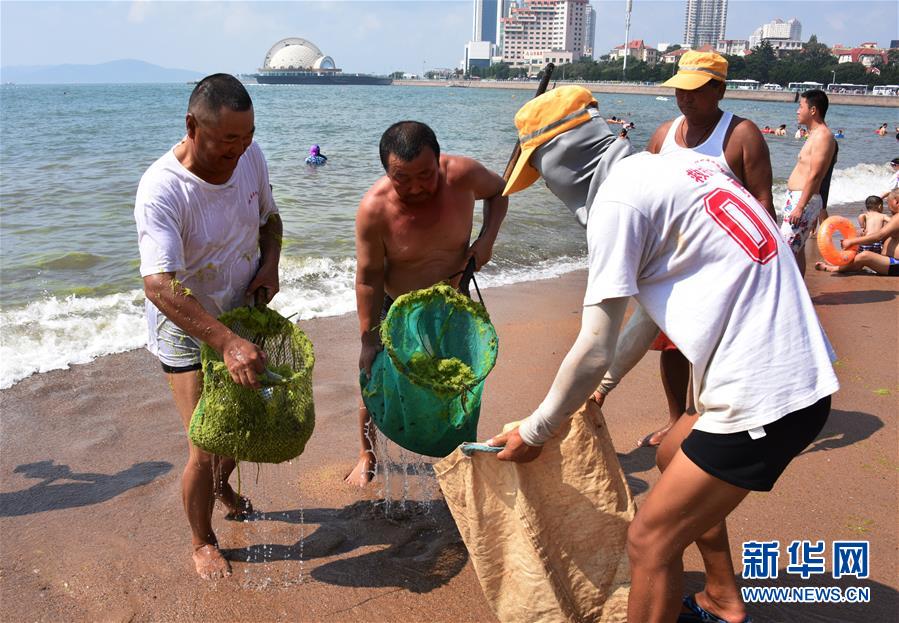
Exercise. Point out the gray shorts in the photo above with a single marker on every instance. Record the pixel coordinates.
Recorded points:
(177, 351)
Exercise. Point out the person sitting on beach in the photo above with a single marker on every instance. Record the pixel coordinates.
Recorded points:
(871, 221)
(713, 285)
(413, 229)
(315, 157)
(738, 147)
(781, 130)
(885, 262)
(809, 182)
(210, 241)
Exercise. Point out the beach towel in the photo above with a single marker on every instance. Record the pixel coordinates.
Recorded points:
(270, 425)
(547, 538)
(425, 388)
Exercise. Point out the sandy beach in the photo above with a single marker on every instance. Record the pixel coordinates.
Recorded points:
(93, 530)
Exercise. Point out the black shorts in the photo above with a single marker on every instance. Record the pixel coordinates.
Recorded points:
(756, 464)
(388, 303)
(893, 270)
(173, 370)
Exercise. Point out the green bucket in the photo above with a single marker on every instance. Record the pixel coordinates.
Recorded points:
(425, 388)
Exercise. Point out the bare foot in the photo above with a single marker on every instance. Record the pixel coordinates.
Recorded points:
(364, 471)
(825, 267)
(210, 563)
(652, 440)
(239, 507)
(598, 397)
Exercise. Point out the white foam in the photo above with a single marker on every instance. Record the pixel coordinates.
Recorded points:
(316, 287)
(53, 333)
(547, 269)
(850, 185)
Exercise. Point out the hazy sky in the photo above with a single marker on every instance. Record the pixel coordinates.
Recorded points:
(364, 35)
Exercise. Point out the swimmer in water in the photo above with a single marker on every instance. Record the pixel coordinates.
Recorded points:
(315, 157)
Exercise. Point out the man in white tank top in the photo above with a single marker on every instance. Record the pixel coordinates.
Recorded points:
(739, 147)
(703, 127)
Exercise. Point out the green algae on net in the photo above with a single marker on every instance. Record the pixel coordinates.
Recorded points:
(450, 375)
(236, 421)
(425, 366)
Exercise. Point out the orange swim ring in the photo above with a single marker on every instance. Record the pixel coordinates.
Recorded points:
(830, 249)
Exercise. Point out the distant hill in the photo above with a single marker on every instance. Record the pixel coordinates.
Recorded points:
(126, 70)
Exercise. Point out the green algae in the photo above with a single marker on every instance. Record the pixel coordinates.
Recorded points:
(425, 389)
(431, 373)
(241, 422)
(179, 288)
(450, 375)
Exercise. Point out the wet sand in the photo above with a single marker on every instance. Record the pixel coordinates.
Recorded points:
(92, 527)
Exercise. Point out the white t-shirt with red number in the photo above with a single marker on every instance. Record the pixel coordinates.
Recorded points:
(706, 261)
(207, 234)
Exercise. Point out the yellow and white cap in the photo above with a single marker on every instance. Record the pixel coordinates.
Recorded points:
(696, 69)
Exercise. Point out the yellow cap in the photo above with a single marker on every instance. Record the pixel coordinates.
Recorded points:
(697, 68)
(541, 119)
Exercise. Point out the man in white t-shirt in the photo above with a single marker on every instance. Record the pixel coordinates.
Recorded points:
(210, 240)
(703, 258)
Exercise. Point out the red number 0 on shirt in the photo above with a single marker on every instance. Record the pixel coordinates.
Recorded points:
(742, 224)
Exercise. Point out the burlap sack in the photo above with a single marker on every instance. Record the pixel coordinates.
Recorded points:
(547, 538)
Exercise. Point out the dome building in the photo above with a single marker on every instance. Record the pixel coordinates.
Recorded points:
(299, 61)
(296, 53)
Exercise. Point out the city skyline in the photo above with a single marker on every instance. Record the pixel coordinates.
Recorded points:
(422, 35)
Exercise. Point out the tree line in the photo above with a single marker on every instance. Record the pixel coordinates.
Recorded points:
(814, 63)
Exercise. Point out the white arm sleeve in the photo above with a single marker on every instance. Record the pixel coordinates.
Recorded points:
(635, 340)
(580, 371)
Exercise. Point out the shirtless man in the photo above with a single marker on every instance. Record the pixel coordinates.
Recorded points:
(884, 263)
(731, 141)
(413, 230)
(804, 202)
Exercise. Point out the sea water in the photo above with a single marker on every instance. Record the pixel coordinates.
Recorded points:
(71, 157)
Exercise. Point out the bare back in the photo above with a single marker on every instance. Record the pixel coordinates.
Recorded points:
(872, 222)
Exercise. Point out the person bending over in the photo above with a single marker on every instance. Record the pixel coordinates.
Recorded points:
(413, 230)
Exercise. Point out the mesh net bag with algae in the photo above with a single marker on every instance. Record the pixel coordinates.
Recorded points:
(425, 389)
(270, 425)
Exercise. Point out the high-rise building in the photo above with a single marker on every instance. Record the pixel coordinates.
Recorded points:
(781, 35)
(590, 30)
(538, 30)
(486, 20)
(705, 22)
